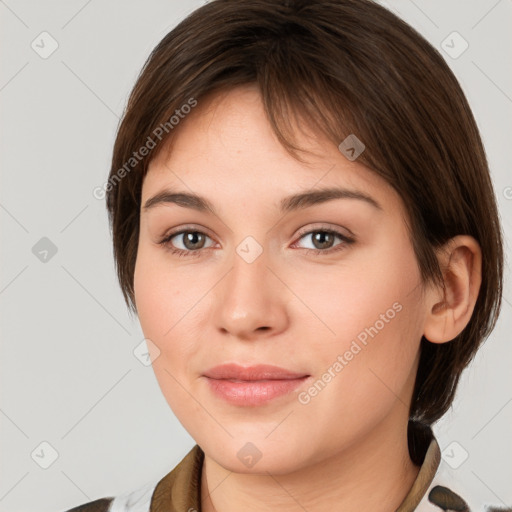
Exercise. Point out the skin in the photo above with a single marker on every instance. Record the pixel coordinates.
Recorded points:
(291, 307)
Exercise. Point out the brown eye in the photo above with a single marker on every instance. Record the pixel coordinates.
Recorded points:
(193, 239)
(188, 242)
(323, 241)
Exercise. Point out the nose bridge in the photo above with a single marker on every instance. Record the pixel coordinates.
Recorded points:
(249, 295)
(249, 272)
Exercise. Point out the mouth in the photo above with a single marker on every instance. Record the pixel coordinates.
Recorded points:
(258, 372)
(254, 385)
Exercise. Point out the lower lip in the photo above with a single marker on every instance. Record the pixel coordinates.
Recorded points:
(253, 392)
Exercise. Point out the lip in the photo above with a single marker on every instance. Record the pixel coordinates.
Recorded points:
(253, 385)
(251, 373)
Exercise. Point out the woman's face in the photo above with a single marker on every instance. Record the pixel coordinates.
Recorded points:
(264, 281)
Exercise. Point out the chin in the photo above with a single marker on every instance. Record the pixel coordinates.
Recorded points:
(260, 456)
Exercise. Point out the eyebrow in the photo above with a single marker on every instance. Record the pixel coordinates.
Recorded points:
(290, 203)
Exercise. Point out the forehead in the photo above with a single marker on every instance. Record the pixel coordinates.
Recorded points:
(227, 145)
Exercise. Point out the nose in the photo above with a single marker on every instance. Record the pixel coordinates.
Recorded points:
(251, 300)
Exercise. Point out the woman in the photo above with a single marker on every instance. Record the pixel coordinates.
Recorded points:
(304, 223)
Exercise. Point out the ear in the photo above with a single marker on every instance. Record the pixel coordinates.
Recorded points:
(450, 310)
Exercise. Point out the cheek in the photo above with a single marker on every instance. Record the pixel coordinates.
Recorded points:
(376, 290)
(366, 371)
(162, 296)
(168, 312)
(162, 306)
(158, 307)
(370, 326)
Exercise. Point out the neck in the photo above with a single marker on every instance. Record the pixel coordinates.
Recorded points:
(375, 473)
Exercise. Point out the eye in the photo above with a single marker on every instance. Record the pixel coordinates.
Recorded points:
(323, 239)
(192, 242)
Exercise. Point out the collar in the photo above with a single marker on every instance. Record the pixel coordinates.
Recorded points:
(180, 490)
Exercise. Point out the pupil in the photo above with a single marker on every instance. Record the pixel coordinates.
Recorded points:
(320, 237)
(191, 237)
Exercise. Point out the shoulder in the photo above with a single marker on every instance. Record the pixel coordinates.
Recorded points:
(444, 482)
(181, 488)
(101, 505)
(458, 488)
(134, 501)
(181, 484)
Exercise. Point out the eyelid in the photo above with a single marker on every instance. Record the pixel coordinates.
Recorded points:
(186, 227)
(325, 227)
(346, 239)
(304, 231)
(337, 232)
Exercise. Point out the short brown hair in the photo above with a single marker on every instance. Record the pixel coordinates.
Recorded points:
(346, 67)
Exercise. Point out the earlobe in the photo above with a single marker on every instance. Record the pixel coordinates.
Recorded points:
(449, 310)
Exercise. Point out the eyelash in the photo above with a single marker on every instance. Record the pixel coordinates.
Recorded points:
(317, 252)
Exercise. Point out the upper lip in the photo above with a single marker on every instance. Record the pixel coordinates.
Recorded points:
(257, 372)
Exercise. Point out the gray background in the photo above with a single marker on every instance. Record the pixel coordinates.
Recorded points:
(68, 373)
